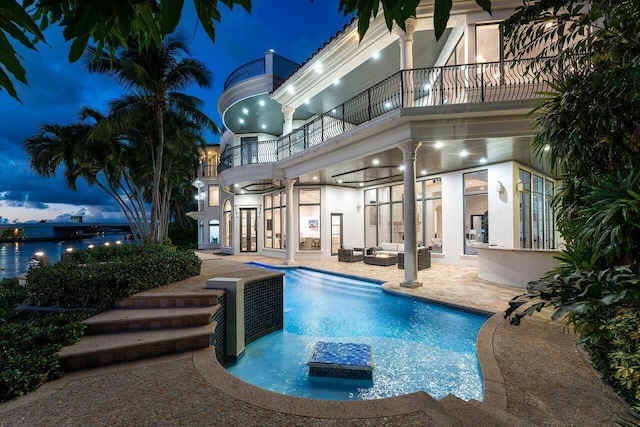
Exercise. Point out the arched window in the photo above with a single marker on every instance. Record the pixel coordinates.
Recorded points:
(214, 231)
(227, 215)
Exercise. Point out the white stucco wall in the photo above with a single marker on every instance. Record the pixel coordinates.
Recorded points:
(502, 215)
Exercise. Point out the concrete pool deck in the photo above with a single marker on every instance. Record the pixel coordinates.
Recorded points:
(533, 373)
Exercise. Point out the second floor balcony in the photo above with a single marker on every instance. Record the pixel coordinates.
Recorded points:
(424, 87)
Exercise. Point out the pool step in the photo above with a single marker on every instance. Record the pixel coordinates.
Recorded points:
(474, 414)
(145, 325)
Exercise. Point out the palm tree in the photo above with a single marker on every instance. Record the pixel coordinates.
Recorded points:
(156, 75)
(107, 163)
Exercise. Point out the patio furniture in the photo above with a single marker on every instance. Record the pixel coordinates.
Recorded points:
(350, 254)
(381, 259)
(424, 259)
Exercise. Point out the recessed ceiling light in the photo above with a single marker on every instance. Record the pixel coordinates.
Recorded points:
(336, 81)
(291, 90)
(483, 160)
(387, 105)
(241, 191)
(423, 172)
(315, 178)
(464, 153)
(375, 161)
(339, 181)
(306, 101)
(263, 126)
(401, 167)
(438, 144)
(241, 120)
(261, 102)
(375, 55)
(245, 111)
(333, 111)
(318, 68)
(236, 185)
(362, 184)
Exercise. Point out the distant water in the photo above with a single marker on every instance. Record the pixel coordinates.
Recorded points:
(14, 256)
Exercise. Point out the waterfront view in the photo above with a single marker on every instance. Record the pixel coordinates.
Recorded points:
(14, 256)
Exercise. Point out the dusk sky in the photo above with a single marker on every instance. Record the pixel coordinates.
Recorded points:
(57, 90)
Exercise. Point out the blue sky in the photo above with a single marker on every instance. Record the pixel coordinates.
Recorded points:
(57, 90)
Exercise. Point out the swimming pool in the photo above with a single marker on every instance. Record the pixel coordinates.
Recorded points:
(416, 345)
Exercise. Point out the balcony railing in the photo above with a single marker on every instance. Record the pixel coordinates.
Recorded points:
(244, 72)
(424, 87)
(208, 170)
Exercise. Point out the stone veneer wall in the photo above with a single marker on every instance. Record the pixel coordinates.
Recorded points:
(263, 308)
(219, 337)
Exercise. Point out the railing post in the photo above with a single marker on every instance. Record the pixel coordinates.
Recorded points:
(441, 85)
(344, 125)
(481, 82)
(368, 104)
(402, 88)
(322, 128)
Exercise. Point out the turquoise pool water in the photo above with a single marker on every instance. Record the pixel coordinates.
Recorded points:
(416, 345)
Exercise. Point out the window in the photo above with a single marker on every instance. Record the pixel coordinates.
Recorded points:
(309, 219)
(537, 229)
(430, 208)
(274, 220)
(488, 43)
(227, 214)
(214, 231)
(476, 209)
(214, 194)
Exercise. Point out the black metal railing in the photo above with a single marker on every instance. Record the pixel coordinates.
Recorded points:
(423, 87)
(244, 72)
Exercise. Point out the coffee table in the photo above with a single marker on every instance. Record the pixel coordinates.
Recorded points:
(381, 260)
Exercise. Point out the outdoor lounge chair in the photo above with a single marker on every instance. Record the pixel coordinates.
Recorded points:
(424, 259)
(350, 254)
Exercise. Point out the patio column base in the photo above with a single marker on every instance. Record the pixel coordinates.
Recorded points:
(410, 284)
(289, 262)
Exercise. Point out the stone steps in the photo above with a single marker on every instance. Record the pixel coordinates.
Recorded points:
(123, 320)
(145, 325)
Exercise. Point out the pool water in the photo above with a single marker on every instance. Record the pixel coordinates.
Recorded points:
(416, 345)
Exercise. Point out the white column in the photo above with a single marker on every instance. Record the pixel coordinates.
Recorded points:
(406, 59)
(409, 151)
(289, 222)
(288, 119)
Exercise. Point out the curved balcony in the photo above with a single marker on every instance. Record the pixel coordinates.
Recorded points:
(244, 72)
(424, 87)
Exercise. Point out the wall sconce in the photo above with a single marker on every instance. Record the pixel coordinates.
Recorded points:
(499, 187)
(520, 186)
(358, 206)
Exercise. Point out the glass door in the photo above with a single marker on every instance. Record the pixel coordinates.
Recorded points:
(248, 230)
(336, 233)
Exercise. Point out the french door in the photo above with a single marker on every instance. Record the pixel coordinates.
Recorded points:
(248, 230)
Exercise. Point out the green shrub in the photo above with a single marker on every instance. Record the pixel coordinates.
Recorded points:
(98, 277)
(616, 353)
(29, 348)
(11, 296)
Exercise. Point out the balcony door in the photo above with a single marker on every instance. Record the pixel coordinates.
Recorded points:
(248, 230)
(249, 149)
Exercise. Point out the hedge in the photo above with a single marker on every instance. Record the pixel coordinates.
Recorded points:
(96, 278)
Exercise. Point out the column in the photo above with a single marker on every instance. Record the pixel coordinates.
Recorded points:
(409, 151)
(288, 111)
(406, 59)
(289, 222)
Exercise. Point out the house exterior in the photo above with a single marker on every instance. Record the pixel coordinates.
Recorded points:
(393, 138)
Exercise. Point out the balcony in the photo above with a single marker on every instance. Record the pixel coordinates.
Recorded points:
(244, 72)
(208, 170)
(425, 87)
